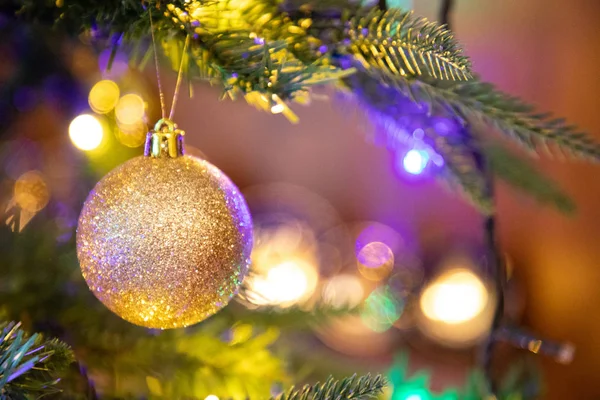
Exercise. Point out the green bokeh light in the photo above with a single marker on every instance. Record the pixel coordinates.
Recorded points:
(381, 309)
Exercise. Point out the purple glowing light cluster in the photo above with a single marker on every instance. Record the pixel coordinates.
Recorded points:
(407, 128)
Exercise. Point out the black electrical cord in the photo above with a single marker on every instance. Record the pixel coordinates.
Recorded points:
(445, 12)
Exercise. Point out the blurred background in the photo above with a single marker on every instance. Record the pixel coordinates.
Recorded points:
(340, 220)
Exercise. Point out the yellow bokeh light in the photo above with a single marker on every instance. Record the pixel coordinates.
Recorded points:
(31, 192)
(130, 109)
(211, 397)
(455, 297)
(86, 132)
(132, 135)
(284, 284)
(343, 291)
(104, 96)
(284, 264)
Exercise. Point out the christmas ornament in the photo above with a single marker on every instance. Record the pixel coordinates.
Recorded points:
(164, 240)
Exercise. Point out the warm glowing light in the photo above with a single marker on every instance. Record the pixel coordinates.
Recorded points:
(284, 284)
(130, 109)
(211, 397)
(284, 268)
(132, 135)
(343, 291)
(31, 192)
(289, 281)
(104, 96)
(375, 261)
(277, 108)
(415, 161)
(86, 132)
(455, 297)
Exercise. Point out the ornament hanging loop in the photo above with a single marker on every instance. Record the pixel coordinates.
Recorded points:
(165, 140)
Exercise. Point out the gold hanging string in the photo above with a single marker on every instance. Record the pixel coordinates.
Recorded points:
(179, 77)
(160, 91)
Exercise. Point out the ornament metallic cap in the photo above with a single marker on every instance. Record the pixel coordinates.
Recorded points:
(165, 139)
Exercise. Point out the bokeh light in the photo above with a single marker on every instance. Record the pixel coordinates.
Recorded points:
(343, 291)
(456, 308)
(132, 135)
(211, 397)
(415, 161)
(130, 109)
(381, 309)
(86, 132)
(370, 232)
(375, 261)
(284, 265)
(31, 192)
(294, 224)
(349, 335)
(284, 284)
(455, 297)
(104, 96)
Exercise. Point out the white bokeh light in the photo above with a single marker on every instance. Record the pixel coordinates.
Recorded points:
(86, 132)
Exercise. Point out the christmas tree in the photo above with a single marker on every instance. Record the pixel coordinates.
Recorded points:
(166, 240)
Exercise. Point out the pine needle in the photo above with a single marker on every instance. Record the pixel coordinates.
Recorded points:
(404, 45)
(346, 389)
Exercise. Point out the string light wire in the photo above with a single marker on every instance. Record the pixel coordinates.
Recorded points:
(179, 77)
(163, 112)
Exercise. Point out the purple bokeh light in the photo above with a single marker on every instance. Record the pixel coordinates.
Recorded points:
(415, 161)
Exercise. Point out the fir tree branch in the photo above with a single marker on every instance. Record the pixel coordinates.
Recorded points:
(257, 47)
(462, 175)
(346, 389)
(403, 45)
(244, 61)
(386, 105)
(480, 101)
(520, 174)
(30, 365)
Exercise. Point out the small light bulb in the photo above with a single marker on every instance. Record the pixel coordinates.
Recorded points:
(86, 132)
(415, 161)
(277, 109)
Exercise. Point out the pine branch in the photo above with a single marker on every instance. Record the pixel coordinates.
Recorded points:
(244, 61)
(462, 175)
(519, 173)
(386, 106)
(479, 101)
(30, 365)
(403, 45)
(347, 389)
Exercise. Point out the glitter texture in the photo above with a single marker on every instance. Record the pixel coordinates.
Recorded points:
(164, 242)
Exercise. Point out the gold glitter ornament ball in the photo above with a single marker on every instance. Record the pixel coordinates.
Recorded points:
(164, 242)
